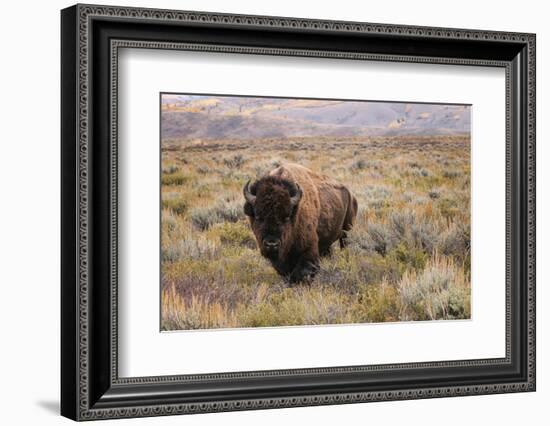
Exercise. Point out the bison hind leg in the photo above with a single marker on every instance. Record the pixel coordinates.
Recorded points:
(349, 220)
(325, 251)
(343, 240)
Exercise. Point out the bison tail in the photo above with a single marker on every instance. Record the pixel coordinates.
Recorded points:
(349, 220)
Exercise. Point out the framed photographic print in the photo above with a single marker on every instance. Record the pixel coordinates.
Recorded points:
(263, 212)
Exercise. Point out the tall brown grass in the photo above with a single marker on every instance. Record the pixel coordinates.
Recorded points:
(409, 252)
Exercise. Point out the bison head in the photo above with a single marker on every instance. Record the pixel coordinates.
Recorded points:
(271, 204)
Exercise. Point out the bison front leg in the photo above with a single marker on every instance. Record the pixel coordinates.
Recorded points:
(305, 270)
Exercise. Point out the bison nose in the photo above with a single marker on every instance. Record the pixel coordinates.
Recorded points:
(271, 243)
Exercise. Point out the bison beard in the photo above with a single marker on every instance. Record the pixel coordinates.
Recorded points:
(296, 215)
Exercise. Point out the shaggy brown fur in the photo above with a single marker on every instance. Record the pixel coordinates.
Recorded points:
(296, 215)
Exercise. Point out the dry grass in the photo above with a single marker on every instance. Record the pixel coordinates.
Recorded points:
(409, 253)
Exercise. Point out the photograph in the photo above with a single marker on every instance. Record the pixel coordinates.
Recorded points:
(287, 209)
(282, 211)
(267, 209)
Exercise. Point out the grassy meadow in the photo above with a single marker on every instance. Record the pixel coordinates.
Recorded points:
(409, 252)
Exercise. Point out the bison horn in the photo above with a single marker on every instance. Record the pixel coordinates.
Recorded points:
(251, 198)
(296, 194)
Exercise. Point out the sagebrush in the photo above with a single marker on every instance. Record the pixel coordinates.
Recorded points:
(409, 252)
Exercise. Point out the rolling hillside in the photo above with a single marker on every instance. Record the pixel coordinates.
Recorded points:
(215, 117)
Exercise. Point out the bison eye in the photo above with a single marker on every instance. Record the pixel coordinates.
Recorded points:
(287, 219)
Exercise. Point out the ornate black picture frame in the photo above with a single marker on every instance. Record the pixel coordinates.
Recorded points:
(91, 387)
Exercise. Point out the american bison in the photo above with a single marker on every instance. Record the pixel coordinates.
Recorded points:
(296, 215)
